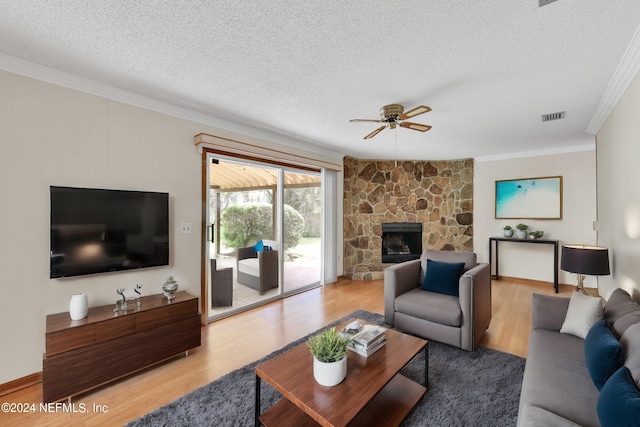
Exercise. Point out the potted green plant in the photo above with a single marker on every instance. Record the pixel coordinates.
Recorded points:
(522, 231)
(329, 350)
(508, 231)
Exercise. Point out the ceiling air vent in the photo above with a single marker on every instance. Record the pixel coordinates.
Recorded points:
(553, 116)
(545, 2)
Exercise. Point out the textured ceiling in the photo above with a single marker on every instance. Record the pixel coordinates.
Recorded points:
(302, 69)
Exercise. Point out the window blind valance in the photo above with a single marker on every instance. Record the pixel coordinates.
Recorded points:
(270, 151)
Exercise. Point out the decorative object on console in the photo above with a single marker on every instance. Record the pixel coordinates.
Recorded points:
(169, 288)
(128, 295)
(329, 349)
(508, 231)
(585, 260)
(522, 231)
(536, 234)
(78, 306)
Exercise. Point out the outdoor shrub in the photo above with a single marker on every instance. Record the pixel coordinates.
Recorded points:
(244, 224)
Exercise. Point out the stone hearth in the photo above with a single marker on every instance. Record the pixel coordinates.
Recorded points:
(439, 194)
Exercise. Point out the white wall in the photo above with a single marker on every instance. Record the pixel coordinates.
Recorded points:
(619, 193)
(51, 135)
(578, 171)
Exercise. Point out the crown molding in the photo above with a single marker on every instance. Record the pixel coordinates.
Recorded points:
(622, 78)
(550, 152)
(57, 77)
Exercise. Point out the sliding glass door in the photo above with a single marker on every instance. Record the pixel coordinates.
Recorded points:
(264, 233)
(302, 230)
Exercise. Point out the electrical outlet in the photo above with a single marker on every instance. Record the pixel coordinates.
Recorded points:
(185, 228)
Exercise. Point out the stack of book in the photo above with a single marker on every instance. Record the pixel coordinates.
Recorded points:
(368, 340)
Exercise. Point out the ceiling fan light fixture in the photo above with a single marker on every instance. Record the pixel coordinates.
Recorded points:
(415, 126)
(415, 111)
(393, 115)
(375, 132)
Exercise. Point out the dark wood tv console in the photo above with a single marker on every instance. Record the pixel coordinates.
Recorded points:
(83, 354)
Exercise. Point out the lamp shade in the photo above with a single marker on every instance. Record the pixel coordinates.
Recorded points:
(583, 259)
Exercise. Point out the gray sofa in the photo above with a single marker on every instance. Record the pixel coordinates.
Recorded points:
(455, 320)
(558, 388)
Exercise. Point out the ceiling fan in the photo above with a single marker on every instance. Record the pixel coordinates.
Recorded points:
(393, 114)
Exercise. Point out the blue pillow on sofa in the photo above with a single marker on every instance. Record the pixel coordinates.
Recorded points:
(259, 247)
(619, 401)
(602, 352)
(442, 277)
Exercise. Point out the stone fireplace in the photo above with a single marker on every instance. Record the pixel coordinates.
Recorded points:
(401, 241)
(438, 195)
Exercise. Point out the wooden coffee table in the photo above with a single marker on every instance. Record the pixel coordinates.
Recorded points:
(373, 393)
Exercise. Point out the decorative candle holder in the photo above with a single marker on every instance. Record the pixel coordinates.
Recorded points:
(78, 306)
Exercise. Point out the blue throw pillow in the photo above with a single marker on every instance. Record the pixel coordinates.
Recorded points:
(602, 352)
(259, 247)
(619, 401)
(442, 277)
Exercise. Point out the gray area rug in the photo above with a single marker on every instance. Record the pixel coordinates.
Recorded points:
(481, 388)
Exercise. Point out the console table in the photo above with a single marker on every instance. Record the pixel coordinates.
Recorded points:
(493, 241)
(83, 354)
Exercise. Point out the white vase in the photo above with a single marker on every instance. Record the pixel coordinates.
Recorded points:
(521, 234)
(330, 374)
(78, 306)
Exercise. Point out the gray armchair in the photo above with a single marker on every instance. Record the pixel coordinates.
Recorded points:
(459, 321)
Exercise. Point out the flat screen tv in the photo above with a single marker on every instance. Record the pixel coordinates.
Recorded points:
(98, 230)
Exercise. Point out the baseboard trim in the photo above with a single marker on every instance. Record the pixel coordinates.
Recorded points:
(590, 291)
(20, 383)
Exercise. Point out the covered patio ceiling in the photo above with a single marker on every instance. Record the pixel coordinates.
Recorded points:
(229, 176)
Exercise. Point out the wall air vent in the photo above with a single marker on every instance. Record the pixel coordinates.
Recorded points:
(553, 116)
(545, 2)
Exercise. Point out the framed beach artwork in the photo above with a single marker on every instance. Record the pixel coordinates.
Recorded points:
(529, 198)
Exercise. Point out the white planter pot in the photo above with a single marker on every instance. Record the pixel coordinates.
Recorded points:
(330, 374)
(521, 234)
(508, 233)
(78, 306)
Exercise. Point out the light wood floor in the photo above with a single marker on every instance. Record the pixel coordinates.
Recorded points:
(235, 341)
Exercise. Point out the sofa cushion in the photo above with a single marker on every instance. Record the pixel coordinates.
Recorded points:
(442, 277)
(556, 377)
(469, 258)
(548, 311)
(259, 246)
(618, 305)
(623, 323)
(431, 306)
(630, 342)
(582, 313)
(602, 352)
(619, 401)
(535, 416)
(249, 266)
(273, 244)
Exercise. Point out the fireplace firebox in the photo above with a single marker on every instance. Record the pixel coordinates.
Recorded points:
(401, 241)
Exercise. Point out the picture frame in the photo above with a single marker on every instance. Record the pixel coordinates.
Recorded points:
(529, 198)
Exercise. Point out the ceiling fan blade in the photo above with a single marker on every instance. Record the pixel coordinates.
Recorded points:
(375, 132)
(365, 120)
(415, 126)
(421, 109)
